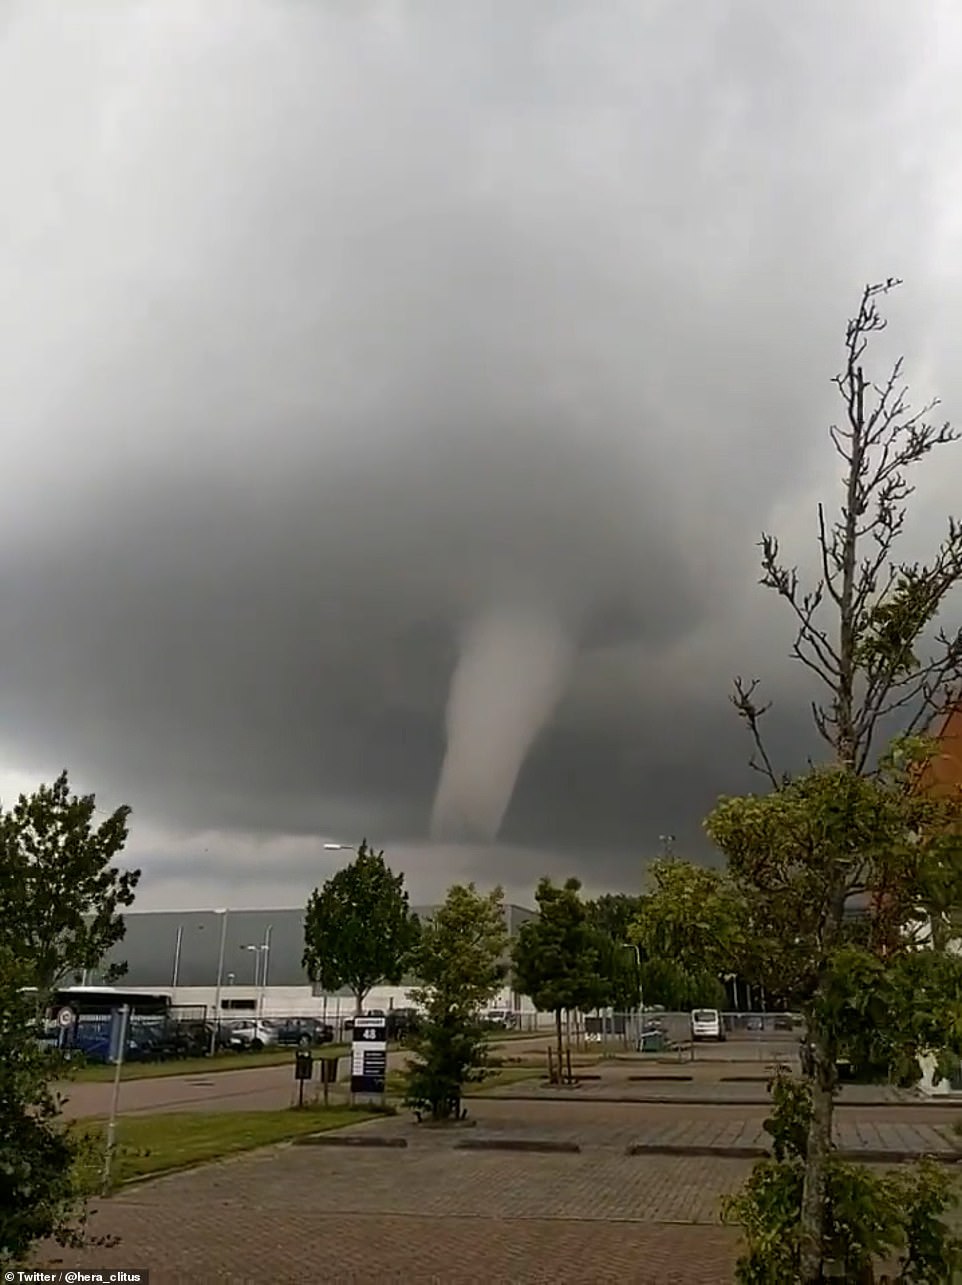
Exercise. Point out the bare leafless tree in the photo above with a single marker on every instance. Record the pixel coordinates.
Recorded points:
(865, 630)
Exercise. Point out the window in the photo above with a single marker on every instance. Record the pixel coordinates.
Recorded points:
(239, 1005)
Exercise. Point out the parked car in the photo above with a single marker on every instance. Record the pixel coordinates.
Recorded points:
(402, 1023)
(502, 1019)
(706, 1024)
(300, 1029)
(191, 1039)
(253, 1035)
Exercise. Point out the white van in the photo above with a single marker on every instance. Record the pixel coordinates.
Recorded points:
(706, 1024)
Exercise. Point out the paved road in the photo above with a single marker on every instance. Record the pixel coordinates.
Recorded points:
(254, 1089)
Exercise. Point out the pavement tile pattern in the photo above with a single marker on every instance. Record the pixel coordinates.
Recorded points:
(432, 1212)
(426, 1214)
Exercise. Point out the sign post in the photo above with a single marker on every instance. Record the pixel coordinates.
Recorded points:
(66, 1019)
(118, 1045)
(329, 1067)
(303, 1070)
(369, 1057)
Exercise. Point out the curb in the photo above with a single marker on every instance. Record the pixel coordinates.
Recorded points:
(752, 1103)
(661, 1079)
(517, 1144)
(867, 1156)
(680, 1149)
(359, 1140)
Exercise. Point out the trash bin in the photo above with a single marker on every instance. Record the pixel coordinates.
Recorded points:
(652, 1042)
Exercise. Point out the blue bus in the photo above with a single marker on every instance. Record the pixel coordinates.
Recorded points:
(80, 1018)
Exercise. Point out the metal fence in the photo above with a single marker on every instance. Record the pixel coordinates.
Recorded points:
(658, 1032)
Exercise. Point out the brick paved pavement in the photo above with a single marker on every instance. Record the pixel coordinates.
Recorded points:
(616, 1126)
(426, 1214)
(432, 1212)
(705, 1089)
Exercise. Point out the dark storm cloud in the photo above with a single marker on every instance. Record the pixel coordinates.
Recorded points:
(327, 328)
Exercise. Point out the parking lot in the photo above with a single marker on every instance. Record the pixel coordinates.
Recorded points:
(634, 1197)
(430, 1213)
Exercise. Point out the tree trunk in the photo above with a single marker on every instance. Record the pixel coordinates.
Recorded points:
(812, 1222)
(359, 1003)
(558, 1032)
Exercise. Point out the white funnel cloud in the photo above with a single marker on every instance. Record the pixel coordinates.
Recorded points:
(513, 669)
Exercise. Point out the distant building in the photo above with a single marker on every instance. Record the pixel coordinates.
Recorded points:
(942, 776)
(943, 773)
(178, 951)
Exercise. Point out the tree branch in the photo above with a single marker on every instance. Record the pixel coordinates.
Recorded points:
(743, 698)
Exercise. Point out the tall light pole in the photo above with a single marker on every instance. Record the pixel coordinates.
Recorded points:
(261, 957)
(256, 950)
(631, 945)
(266, 948)
(335, 847)
(215, 1027)
(177, 945)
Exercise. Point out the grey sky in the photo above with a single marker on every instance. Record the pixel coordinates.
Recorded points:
(327, 327)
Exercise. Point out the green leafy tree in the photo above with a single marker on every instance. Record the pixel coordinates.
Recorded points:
(692, 916)
(61, 894)
(619, 976)
(461, 963)
(613, 914)
(899, 1215)
(690, 931)
(668, 985)
(857, 827)
(358, 928)
(557, 957)
(38, 1194)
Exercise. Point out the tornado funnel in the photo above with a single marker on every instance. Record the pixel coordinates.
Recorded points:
(513, 668)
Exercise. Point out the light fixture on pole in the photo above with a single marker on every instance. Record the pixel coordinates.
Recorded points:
(338, 847)
(215, 1025)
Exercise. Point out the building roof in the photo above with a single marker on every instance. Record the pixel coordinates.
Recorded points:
(150, 945)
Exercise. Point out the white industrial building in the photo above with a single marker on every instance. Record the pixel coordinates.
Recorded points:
(247, 961)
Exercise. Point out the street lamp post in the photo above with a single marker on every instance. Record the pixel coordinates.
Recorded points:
(215, 1027)
(631, 945)
(334, 847)
(261, 953)
(255, 950)
(177, 945)
(266, 948)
